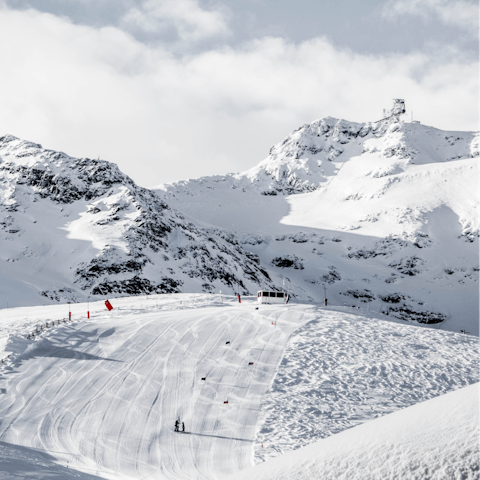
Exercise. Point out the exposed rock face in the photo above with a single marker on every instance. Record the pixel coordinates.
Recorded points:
(288, 261)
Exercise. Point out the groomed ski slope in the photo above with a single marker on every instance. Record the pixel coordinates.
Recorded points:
(434, 440)
(101, 396)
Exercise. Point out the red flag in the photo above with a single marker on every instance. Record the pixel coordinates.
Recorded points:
(108, 305)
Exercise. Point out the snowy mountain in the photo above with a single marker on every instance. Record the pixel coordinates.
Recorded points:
(313, 154)
(77, 227)
(382, 216)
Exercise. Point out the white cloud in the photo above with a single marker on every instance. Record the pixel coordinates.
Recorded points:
(458, 13)
(99, 92)
(190, 22)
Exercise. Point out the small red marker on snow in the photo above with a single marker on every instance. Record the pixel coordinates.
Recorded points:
(226, 401)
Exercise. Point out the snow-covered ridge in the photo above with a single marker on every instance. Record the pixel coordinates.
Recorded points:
(311, 156)
(56, 175)
(76, 227)
(306, 159)
(380, 214)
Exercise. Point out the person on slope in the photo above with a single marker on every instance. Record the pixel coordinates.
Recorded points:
(177, 423)
(183, 426)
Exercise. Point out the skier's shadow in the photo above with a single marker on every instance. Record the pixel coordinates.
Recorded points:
(220, 436)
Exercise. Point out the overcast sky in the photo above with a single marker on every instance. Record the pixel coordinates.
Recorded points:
(175, 89)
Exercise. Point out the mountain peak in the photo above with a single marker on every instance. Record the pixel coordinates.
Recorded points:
(381, 203)
(310, 156)
(72, 227)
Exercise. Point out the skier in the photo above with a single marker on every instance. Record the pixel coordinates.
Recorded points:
(183, 427)
(177, 423)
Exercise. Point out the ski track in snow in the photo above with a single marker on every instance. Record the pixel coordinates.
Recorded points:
(341, 370)
(103, 395)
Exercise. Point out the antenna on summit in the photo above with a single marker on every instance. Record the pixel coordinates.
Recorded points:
(393, 115)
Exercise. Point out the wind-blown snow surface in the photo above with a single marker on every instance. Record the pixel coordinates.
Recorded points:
(435, 440)
(103, 394)
(342, 370)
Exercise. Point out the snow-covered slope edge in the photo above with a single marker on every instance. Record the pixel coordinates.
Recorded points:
(72, 227)
(23, 462)
(437, 439)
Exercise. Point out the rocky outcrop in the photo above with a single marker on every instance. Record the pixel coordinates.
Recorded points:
(142, 245)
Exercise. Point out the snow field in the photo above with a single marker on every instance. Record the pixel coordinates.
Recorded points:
(103, 395)
(341, 370)
(434, 440)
